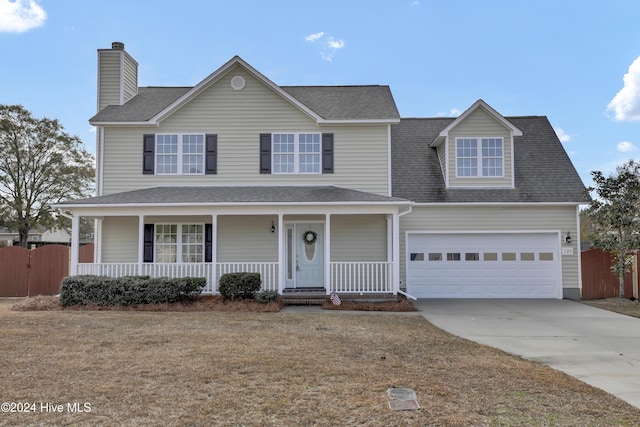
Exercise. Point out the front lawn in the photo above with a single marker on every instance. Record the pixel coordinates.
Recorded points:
(260, 369)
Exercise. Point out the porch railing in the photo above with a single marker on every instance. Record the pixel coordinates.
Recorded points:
(361, 277)
(350, 277)
(109, 269)
(268, 272)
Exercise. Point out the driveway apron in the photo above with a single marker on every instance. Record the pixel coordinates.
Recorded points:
(596, 346)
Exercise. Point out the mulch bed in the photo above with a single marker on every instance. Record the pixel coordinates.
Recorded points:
(210, 303)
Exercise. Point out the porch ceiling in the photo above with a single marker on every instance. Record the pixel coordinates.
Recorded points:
(228, 195)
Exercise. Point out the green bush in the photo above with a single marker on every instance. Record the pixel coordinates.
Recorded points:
(266, 297)
(239, 285)
(128, 290)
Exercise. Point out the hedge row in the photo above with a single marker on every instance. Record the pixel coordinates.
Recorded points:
(129, 290)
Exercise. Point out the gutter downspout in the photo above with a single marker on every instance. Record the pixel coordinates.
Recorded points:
(396, 263)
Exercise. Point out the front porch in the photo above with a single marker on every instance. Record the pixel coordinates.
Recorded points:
(327, 237)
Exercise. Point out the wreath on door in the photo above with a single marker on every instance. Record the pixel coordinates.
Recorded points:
(309, 237)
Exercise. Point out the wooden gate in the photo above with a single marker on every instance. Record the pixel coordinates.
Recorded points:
(47, 266)
(39, 271)
(598, 281)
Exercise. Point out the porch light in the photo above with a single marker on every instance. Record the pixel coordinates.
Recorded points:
(567, 238)
(273, 227)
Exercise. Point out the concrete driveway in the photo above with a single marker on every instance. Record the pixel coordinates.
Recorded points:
(596, 346)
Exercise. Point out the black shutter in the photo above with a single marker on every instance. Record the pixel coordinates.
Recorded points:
(211, 155)
(265, 153)
(148, 154)
(148, 242)
(327, 153)
(208, 242)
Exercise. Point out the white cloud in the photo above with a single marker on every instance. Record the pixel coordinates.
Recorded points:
(313, 37)
(626, 104)
(415, 3)
(20, 15)
(453, 112)
(335, 44)
(626, 146)
(562, 135)
(329, 44)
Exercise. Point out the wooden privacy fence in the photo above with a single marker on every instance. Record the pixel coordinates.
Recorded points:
(25, 272)
(598, 281)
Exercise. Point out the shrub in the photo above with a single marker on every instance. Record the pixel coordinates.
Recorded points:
(128, 290)
(239, 285)
(266, 297)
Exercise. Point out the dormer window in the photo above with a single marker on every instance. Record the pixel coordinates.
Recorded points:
(479, 157)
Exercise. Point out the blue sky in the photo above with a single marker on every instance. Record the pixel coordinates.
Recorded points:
(576, 62)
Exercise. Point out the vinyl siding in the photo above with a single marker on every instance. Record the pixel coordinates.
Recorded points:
(358, 238)
(247, 238)
(479, 124)
(109, 72)
(487, 218)
(120, 239)
(238, 118)
(130, 77)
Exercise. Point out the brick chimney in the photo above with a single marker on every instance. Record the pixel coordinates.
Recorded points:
(117, 76)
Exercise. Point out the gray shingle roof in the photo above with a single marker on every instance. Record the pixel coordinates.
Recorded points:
(234, 195)
(347, 102)
(543, 171)
(329, 102)
(147, 103)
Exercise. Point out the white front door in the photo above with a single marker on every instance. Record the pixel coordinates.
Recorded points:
(304, 255)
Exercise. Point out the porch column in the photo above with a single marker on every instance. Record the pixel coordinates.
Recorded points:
(214, 252)
(396, 252)
(140, 244)
(75, 243)
(281, 266)
(327, 253)
(97, 241)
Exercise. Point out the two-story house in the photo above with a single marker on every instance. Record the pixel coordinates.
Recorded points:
(325, 188)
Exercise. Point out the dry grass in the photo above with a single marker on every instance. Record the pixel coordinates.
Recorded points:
(622, 306)
(276, 369)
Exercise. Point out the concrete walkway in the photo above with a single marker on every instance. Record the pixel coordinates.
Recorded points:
(596, 346)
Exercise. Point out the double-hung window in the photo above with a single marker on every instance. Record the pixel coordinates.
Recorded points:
(479, 157)
(296, 153)
(181, 154)
(179, 243)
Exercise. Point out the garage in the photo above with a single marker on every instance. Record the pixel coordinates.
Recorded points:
(483, 265)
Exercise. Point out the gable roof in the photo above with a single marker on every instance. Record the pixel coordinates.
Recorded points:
(543, 171)
(339, 103)
(324, 104)
(230, 195)
(479, 104)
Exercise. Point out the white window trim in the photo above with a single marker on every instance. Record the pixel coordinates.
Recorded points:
(178, 243)
(479, 157)
(296, 153)
(180, 153)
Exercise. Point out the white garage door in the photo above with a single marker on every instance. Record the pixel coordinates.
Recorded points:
(483, 265)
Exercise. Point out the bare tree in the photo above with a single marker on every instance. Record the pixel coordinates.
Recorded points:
(40, 165)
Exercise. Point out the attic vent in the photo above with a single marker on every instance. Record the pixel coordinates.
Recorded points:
(238, 83)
